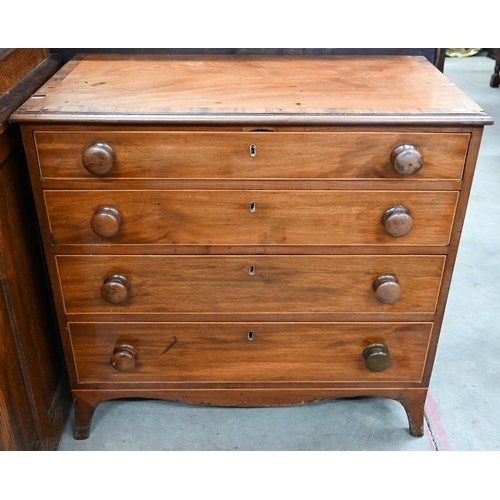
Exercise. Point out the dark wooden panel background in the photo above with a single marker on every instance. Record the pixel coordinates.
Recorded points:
(34, 390)
(435, 56)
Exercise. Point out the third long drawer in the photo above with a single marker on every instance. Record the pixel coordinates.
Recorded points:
(250, 284)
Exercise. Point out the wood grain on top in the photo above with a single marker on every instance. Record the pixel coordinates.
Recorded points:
(250, 89)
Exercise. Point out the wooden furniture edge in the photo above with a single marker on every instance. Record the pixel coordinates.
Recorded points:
(412, 400)
(29, 84)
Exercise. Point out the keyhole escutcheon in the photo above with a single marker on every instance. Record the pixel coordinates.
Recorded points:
(253, 206)
(251, 270)
(253, 150)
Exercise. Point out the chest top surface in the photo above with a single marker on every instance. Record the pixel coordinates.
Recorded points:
(250, 89)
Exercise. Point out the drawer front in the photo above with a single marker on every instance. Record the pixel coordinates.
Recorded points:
(229, 155)
(246, 284)
(222, 352)
(248, 217)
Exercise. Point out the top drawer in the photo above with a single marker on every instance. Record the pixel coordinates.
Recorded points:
(245, 155)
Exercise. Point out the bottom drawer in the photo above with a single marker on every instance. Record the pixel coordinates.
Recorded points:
(247, 352)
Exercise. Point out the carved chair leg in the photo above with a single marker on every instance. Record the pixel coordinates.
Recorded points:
(84, 411)
(495, 77)
(414, 404)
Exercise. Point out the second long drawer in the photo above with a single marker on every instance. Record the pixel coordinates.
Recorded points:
(250, 284)
(251, 217)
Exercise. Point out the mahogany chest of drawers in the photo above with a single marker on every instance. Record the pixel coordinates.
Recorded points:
(250, 231)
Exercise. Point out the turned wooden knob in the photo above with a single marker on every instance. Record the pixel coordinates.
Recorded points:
(115, 289)
(99, 158)
(407, 159)
(397, 221)
(387, 288)
(124, 357)
(377, 357)
(106, 221)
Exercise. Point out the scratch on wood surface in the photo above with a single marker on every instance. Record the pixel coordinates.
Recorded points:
(169, 346)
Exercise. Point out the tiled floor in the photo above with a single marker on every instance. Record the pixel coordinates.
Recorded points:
(463, 404)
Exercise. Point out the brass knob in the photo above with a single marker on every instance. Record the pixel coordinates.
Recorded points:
(99, 158)
(115, 289)
(106, 221)
(124, 357)
(377, 358)
(387, 289)
(397, 221)
(407, 159)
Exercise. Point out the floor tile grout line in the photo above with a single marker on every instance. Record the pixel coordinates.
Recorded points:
(432, 436)
(436, 427)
